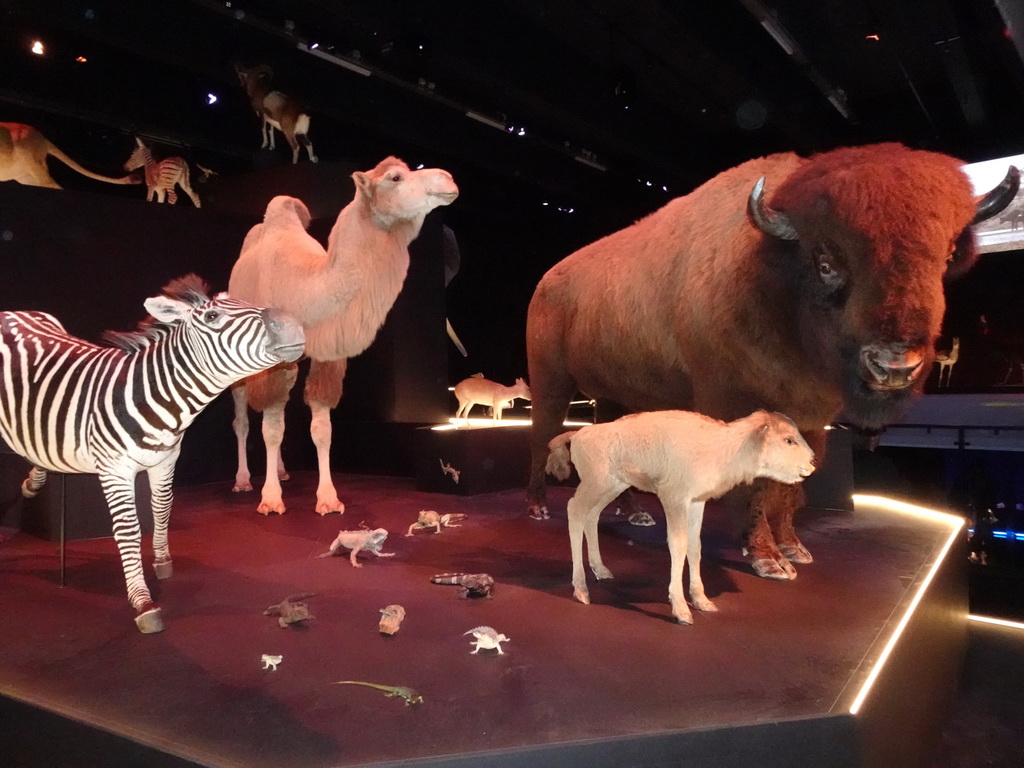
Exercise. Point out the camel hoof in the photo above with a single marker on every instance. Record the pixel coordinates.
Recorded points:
(164, 569)
(271, 509)
(602, 573)
(337, 508)
(796, 553)
(582, 595)
(149, 622)
(241, 487)
(767, 568)
(683, 617)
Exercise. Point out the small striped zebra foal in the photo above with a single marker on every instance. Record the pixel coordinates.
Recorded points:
(68, 405)
(162, 176)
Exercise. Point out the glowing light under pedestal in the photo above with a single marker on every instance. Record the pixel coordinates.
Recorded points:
(956, 524)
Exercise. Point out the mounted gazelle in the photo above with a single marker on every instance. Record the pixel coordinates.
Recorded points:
(276, 110)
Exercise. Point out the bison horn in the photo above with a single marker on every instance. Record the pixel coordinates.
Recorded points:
(774, 223)
(998, 198)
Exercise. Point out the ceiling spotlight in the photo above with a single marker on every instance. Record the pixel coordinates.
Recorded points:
(81, 59)
(876, 38)
(38, 48)
(211, 98)
(314, 46)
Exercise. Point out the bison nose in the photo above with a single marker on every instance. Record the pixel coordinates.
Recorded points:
(891, 367)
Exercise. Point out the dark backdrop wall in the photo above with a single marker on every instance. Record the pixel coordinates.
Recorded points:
(91, 260)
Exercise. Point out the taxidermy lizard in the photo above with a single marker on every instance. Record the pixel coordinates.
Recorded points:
(448, 469)
(357, 541)
(291, 609)
(487, 638)
(473, 584)
(391, 691)
(431, 519)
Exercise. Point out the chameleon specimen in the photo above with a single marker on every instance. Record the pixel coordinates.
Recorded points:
(391, 691)
(291, 609)
(357, 541)
(473, 584)
(487, 638)
(430, 519)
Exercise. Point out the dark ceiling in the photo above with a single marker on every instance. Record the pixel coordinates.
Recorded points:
(619, 100)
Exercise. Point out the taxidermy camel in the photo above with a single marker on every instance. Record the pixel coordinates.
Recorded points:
(23, 153)
(341, 296)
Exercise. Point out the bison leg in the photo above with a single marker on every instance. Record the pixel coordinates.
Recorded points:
(548, 416)
(780, 520)
(676, 518)
(695, 523)
(766, 558)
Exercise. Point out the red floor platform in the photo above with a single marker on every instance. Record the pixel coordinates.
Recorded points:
(776, 677)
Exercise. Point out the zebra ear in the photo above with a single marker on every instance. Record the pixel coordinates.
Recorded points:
(167, 310)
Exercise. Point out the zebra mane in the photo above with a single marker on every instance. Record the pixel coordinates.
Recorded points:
(191, 289)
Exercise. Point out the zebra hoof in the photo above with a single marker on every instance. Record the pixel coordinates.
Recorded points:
(164, 570)
(149, 621)
(27, 492)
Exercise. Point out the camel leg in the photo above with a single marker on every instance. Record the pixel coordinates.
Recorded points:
(696, 522)
(273, 436)
(327, 501)
(243, 481)
(677, 512)
(323, 392)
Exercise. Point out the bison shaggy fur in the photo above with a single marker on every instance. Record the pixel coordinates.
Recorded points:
(829, 312)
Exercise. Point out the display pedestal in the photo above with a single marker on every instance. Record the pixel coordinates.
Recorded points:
(773, 678)
(88, 516)
(486, 458)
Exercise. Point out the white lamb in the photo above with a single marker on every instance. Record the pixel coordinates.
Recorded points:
(685, 458)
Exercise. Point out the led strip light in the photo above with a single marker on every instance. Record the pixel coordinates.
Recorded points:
(957, 524)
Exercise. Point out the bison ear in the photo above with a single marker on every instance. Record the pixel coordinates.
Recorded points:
(965, 254)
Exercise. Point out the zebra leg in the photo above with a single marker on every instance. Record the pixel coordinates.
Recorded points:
(32, 484)
(120, 494)
(243, 481)
(161, 478)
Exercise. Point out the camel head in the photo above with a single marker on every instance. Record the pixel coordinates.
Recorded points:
(394, 193)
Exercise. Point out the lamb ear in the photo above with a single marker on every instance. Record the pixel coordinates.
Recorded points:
(167, 310)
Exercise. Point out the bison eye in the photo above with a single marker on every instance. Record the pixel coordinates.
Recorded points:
(829, 270)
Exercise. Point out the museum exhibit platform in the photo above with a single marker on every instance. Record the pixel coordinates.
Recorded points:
(851, 664)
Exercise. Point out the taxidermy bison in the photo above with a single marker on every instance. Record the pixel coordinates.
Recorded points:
(823, 302)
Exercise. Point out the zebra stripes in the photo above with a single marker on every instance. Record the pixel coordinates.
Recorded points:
(162, 176)
(68, 405)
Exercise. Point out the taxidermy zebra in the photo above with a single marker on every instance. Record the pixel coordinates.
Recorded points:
(162, 176)
(68, 405)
